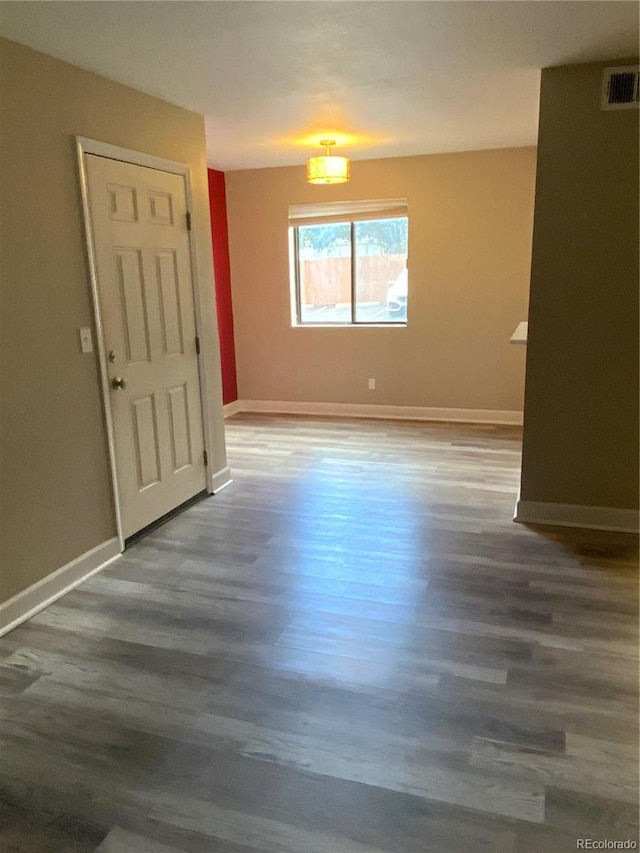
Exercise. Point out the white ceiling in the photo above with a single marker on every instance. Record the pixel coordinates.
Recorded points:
(383, 78)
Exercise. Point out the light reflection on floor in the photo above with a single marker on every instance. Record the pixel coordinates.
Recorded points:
(339, 544)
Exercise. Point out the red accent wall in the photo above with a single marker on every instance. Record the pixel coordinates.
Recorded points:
(222, 272)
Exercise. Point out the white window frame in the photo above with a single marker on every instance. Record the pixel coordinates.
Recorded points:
(339, 213)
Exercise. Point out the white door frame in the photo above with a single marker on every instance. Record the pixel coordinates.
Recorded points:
(137, 158)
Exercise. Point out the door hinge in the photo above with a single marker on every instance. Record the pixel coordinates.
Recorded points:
(197, 345)
(188, 220)
(205, 456)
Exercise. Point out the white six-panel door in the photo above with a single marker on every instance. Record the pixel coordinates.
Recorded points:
(143, 265)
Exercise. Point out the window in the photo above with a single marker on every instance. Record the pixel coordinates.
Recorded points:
(349, 263)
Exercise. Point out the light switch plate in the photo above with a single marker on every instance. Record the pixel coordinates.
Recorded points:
(86, 340)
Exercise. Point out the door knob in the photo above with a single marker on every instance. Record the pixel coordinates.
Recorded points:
(118, 382)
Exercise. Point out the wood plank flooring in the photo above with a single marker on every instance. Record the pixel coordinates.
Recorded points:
(351, 649)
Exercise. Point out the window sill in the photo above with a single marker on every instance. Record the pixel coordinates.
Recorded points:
(349, 325)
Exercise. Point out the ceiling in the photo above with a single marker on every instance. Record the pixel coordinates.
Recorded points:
(387, 78)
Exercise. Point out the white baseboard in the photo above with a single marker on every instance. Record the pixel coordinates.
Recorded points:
(573, 515)
(231, 408)
(365, 410)
(221, 479)
(30, 601)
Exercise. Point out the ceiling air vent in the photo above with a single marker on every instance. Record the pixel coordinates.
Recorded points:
(620, 88)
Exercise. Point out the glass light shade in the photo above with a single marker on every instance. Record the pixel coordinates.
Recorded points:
(328, 170)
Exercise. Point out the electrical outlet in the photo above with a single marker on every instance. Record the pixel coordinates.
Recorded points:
(371, 384)
(86, 341)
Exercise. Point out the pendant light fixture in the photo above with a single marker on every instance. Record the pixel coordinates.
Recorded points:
(328, 169)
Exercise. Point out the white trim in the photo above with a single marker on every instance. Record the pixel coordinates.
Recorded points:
(221, 479)
(97, 317)
(365, 410)
(575, 515)
(30, 601)
(231, 408)
(128, 155)
(521, 333)
(207, 391)
(206, 388)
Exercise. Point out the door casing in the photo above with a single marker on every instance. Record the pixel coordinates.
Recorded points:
(137, 158)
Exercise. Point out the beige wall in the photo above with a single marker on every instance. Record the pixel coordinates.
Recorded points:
(470, 221)
(55, 485)
(581, 406)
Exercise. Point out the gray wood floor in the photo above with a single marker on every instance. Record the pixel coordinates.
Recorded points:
(352, 649)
